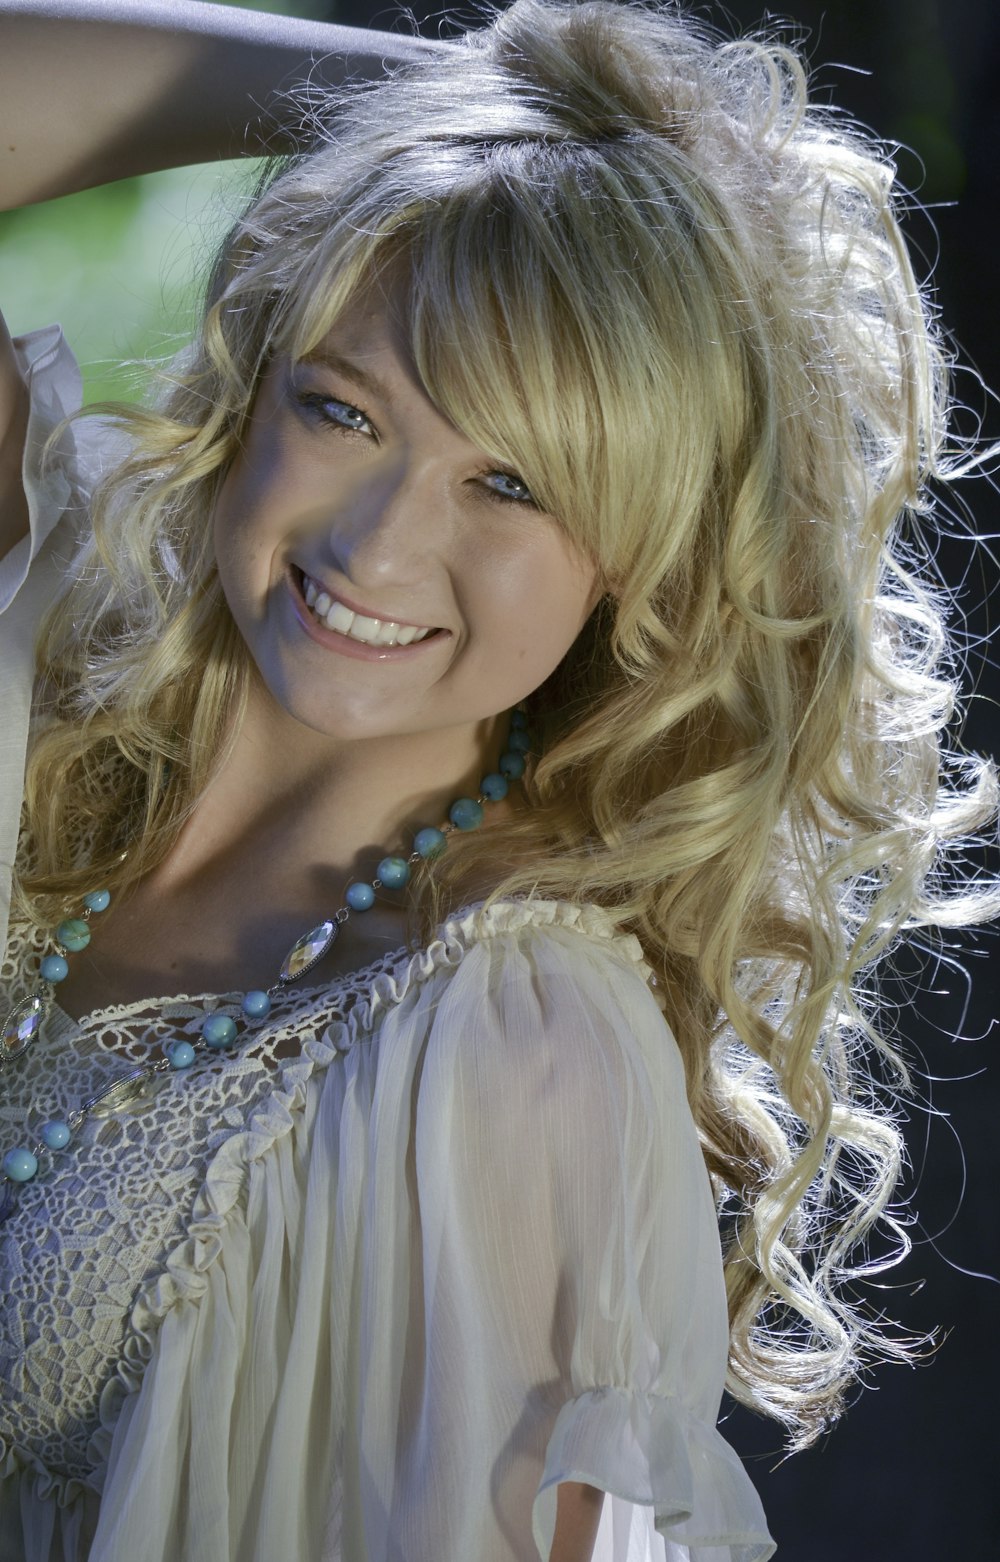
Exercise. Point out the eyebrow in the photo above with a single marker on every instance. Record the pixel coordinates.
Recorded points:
(369, 383)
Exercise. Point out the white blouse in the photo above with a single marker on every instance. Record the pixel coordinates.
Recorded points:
(370, 1300)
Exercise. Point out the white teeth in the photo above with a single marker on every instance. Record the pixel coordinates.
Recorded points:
(338, 617)
(365, 629)
(370, 631)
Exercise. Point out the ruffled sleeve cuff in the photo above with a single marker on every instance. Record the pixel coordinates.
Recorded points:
(61, 480)
(651, 1450)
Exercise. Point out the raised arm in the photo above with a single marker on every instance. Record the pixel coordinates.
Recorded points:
(96, 90)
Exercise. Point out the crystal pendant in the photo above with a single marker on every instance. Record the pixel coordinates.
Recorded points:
(132, 1090)
(309, 950)
(22, 1026)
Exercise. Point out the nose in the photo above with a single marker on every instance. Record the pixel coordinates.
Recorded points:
(388, 527)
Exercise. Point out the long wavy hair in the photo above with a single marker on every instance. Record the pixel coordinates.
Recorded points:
(673, 294)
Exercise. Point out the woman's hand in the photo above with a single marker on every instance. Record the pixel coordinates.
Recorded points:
(96, 90)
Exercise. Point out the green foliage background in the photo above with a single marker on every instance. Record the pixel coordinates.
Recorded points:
(120, 267)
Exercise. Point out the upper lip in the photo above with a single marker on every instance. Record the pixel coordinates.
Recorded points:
(355, 607)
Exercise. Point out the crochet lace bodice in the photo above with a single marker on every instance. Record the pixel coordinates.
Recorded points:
(96, 1224)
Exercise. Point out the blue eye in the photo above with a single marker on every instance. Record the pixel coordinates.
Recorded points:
(339, 413)
(507, 486)
(350, 417)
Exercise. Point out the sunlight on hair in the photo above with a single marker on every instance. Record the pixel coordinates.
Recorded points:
(643, 269)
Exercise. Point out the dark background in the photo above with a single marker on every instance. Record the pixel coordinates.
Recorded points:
(910, 1474)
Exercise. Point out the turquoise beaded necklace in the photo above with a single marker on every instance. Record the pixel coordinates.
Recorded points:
(219, 1032)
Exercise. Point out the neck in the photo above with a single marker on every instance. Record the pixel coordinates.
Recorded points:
(323, 809)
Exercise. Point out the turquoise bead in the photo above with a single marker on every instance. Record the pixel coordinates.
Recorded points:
(54, 969)
(518, 742)
(430, 842)
(55, 1135)
(512, 765)
(73, 934)
(19, 1165)
(97, 900)
(219, 1030)
(493, 786)
(394, 872)
(360, 897)
(466, 813)
(518, 721)
(181, 1054)
(256, 1005)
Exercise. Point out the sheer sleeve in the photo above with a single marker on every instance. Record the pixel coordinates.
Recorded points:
(58, 487)
(571, 1258)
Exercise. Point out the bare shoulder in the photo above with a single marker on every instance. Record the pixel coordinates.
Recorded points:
(13, 430)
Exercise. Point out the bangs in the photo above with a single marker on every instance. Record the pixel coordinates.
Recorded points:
(526, 319)
(506, 350)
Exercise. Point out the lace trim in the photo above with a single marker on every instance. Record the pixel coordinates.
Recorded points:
(108, 1015)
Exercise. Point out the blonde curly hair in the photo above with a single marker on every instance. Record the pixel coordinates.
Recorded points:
(646, 272)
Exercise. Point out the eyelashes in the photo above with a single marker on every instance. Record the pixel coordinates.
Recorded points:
(345, 416)
(516, 489)
(504, 486)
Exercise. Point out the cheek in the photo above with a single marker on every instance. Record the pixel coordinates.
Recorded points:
(248, 510)
(241, 525)
(224, 527)
(541, 600)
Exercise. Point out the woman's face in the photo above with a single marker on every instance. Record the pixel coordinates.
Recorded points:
(353, 492)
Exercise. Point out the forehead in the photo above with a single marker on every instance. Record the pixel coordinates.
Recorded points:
(371, 342)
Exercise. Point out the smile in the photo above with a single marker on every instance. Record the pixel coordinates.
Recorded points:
(341, 620)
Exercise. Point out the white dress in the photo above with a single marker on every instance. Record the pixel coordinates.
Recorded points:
(373, 1300)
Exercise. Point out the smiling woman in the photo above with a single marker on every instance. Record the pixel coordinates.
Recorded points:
(395, 517)
(470, 740)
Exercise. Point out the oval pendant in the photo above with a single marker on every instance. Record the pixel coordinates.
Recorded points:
(126, 1091)
(22, 1026)
(309, 950)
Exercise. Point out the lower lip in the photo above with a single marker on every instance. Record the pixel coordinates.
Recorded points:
(344, 644)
